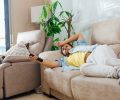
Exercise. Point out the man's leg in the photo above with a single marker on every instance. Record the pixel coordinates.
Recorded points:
(104, 55)
(105, 63)
(101, 54)
(113, 62)
(95, 70)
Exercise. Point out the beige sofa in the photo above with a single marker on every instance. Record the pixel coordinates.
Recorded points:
(20, 77)
(71, 85)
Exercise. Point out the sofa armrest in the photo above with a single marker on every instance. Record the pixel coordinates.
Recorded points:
(50, 55)
(48, 44)
(21, 77)
(14, 59)
(5, 65)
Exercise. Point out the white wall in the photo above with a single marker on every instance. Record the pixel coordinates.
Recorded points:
(20, 16)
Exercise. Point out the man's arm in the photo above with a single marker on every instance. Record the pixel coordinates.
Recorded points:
(72, 38)
(50, 64)
(47, 63)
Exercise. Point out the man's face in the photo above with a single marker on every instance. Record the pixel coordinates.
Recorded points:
(65, 49)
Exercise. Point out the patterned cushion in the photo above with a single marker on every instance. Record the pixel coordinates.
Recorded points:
(18, 50)
(17, 53)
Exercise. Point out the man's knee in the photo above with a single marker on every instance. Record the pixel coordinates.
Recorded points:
(83, 68)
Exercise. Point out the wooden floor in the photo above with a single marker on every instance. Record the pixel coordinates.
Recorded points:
(32, 96)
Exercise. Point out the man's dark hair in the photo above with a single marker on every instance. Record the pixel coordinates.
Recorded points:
(62, 46)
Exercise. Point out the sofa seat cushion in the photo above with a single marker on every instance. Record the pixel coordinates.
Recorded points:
(59, 80)
(92, 88)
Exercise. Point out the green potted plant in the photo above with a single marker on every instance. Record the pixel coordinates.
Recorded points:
(52, 22)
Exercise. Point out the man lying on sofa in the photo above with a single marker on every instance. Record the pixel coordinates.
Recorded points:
(95, 60)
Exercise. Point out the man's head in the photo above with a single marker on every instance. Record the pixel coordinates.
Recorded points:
(65, 49)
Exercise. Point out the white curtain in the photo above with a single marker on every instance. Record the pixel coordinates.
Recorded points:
(2, 27)
(2, 24)
(88, 12)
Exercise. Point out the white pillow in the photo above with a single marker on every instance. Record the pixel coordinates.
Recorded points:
(18, 50)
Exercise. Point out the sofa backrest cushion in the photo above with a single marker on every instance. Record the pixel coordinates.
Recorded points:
(106, 32)
(36, 40)
(116, 49)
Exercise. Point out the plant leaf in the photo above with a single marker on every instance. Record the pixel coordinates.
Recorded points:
(56, 40)
(54, 6)
(60, 5)
(61, 13)
(68, 14)
(45, 12)
(56, 19)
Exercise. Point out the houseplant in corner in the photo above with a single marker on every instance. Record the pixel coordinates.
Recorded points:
(52, 21)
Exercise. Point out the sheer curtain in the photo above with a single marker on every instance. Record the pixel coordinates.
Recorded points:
(2, 27)
(88, 12)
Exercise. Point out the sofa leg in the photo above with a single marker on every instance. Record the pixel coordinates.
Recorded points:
(38, 90)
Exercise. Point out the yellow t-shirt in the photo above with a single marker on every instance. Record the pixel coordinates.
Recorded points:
(76, 59)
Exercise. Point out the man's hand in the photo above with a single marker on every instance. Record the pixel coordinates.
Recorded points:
(60, 43)
(32, 57)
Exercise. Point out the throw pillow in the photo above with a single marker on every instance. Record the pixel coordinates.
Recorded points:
(17, 53)
(18, 50)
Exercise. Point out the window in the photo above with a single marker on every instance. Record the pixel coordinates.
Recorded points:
(2, 28)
